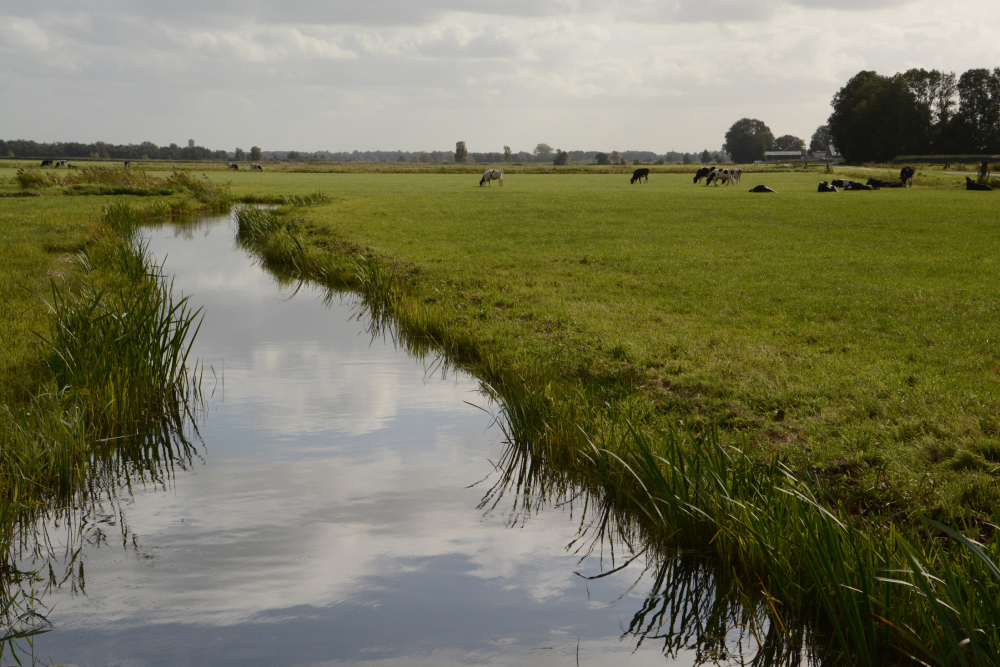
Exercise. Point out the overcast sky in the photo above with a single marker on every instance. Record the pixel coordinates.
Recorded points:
(422, 74)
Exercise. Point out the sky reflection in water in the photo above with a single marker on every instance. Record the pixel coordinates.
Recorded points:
(329, 519)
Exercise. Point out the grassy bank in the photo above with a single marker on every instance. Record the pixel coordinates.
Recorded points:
(95, 382)
(575, 345)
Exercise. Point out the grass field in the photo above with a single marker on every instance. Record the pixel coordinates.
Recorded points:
(856, 330)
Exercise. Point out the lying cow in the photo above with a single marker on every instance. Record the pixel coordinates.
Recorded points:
(906, 175)
(854, 185)
(877, 184)
(60, 163)
(826, 187)
(702, 173)
(762, 188)
(972, 185)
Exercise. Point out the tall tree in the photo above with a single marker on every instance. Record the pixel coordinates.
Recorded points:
(788, 142)
(461, 152)
(255, 153)
(508, 156)
(747, 140)
(543, 152)
(239, 155)
(821, 139)
(602, 158)
(706, 157)
(561, 158)
(978, 119)
(937, 91)
(876, 118)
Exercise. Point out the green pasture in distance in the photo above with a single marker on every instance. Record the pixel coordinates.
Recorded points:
(852, 325)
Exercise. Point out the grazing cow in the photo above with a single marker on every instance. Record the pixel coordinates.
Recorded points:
(762, 188)
(127, 163)
(60, 163)
(702, 173)
(737, 175)
(720, 175)
(826, 187)
(906, 175)
(491, 175)
(46, 163)
(972, 185)
(639, 174)
(232, 166)
(256, 167)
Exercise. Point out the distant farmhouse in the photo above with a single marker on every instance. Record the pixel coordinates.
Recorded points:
(792, 156)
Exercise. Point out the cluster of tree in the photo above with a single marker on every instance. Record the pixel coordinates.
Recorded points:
(100, 150)
(876, 118)
(543, 153)
(255, 155)
(748, 139)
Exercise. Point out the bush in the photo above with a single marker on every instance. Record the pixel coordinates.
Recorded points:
(30, 178)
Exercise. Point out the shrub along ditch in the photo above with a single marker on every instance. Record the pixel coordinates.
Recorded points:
(923, 590)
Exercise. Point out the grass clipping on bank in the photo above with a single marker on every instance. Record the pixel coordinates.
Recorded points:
(877, 595)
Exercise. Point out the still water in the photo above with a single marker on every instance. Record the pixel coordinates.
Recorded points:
(331, 514)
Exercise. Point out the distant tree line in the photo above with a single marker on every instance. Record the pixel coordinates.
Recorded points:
(917, 112)
(100, 150)
(542, 154)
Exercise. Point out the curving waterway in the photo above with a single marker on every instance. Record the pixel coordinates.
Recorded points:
(331, 511)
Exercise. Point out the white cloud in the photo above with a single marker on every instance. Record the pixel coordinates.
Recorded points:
(419, 76)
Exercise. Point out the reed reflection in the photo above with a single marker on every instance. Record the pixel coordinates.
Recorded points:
(695, 605)
(43, 554)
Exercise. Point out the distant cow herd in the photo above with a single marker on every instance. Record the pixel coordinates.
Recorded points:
(231, 166)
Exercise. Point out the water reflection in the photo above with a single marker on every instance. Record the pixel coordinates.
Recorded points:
(331, 514)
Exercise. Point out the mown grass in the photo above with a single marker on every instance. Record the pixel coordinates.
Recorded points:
(792, 547)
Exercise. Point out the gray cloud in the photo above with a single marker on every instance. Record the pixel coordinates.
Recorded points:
(335, 75)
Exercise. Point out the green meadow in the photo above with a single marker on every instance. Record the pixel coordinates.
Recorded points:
(856, 332)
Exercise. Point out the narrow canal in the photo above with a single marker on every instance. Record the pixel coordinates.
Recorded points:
(330, 513)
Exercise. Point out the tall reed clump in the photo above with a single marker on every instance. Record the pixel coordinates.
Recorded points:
(119, 359)
(876, 596)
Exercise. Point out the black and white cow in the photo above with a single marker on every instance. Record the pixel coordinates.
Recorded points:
(702, 173)
(717, 175)
(826, 187)
(877, 184)
(46, 163)
(60, 163)
(256, 167)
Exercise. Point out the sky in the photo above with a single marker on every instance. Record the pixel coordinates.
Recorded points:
(413, 75)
